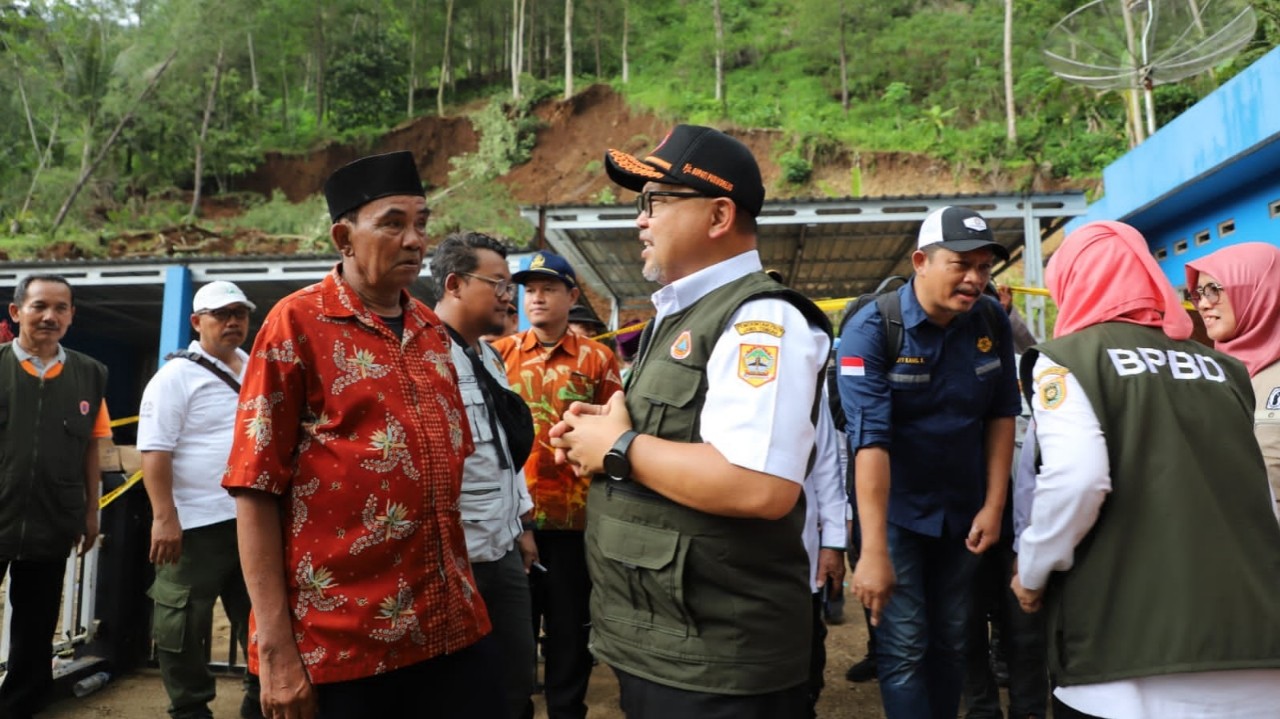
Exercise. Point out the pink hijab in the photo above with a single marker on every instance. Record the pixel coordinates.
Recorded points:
(1104, 273)
(1250, 274)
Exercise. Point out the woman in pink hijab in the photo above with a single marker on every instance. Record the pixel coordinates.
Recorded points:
(1237, 290)
(1165, 565)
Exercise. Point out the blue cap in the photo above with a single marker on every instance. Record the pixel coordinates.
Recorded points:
(547, 265)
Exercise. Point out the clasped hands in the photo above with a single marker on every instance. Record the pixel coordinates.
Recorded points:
(587, 432)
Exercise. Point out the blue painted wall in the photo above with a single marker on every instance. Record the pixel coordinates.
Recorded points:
(1217, 162)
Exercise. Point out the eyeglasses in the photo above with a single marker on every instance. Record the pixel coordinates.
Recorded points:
(1210, 291)
(644, 201)
(222, 314)
(501, 287)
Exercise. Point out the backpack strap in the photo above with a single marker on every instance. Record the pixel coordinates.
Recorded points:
(203, 361)
(889, 304)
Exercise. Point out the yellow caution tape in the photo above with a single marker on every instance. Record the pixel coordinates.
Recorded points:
(113, 494)
(122, 422)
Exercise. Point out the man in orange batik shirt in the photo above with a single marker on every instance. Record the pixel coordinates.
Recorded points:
(552, 368)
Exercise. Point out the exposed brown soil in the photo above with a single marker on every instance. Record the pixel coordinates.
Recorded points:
(141, 695)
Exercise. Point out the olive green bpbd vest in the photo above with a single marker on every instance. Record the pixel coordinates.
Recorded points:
(680, 597)
(1181, 571)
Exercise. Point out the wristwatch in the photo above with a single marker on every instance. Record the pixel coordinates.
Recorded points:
(616, 464)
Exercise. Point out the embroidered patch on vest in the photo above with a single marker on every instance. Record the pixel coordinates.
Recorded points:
(757, 364)
(683, 346)
(84, 407)
(1273, 399)
(1053, 387)
(984, 344)
(769, 328)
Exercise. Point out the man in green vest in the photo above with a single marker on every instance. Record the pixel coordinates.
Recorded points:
(1150, 540)
(701, 598)
(51, 417)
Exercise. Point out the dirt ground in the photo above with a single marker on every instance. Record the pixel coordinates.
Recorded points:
(141, 696)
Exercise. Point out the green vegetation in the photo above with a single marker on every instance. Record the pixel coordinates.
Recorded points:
(251, 76)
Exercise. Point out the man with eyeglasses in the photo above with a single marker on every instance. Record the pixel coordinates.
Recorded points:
(185, 427)
(551, 368)
(702, 595)
(474, 288)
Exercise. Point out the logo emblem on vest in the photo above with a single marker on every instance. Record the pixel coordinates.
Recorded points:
(1053, 387)
(984, 344)
(683, 346)
(769, 328)
(1273, 399)
(757, 364)
(84, 407)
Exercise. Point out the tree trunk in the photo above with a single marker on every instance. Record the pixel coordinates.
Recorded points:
(320, 59)
(715, 9)
(445, 67)
(1011, 130)
(253, 76)
(626, 30)
(198, 184)
(44, 161)
(413, 59)
(106, 147)
(599, 67)
(517, 45)
(844, 64)
(568, 49)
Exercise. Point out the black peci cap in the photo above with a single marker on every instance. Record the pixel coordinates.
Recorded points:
(358, 183)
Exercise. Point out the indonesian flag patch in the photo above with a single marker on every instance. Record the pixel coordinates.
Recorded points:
(852, 367)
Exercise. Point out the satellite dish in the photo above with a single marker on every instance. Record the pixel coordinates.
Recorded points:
(1138, 44)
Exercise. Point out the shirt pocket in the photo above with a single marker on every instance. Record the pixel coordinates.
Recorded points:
(646, 566)
(987, 367)
(578, 387)
(903, 378)
(477, 412)
(480, 501)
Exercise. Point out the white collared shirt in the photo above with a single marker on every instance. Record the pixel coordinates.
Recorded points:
(191, 412)
(759, 425)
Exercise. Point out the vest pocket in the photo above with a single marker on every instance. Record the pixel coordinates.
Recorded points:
(648, 565)
(169, 619)
(670, 404)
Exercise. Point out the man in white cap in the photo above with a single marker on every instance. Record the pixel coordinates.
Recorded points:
(935, 414)
(185, 429)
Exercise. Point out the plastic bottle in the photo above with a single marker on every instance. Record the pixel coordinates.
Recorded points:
(90, 684)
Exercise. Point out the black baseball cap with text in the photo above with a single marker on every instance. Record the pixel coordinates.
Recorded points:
(700, 158)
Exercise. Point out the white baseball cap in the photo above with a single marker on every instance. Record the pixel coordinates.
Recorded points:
(218, 294)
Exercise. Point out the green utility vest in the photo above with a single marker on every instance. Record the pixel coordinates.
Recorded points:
(1181, 571)
(680, 597)
(45, 429)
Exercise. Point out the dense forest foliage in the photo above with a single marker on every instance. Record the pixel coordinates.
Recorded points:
(103, 101)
